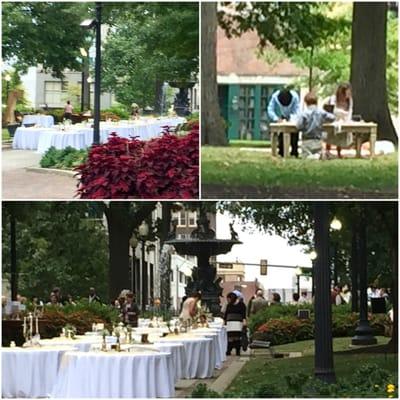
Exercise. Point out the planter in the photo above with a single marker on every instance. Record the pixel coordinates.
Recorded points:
(11, 129)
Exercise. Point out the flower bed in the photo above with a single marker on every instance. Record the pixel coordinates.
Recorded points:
(165, 167)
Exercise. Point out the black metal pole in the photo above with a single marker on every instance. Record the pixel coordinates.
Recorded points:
(137, 282)
(354, 269)
(313, 279)
(298, 284)
(364, 333)
(82, 87)
(144, 278)
(13, 251)
(152, 282)
(323, 361)
(97, 74)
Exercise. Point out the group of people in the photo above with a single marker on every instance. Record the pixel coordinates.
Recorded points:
(285, 105)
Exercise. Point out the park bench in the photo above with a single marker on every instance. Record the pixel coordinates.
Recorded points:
(261, 344)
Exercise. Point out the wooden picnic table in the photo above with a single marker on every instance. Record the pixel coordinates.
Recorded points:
(357, 128)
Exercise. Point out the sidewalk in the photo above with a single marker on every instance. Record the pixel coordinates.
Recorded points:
(219, 382)
(18, 183)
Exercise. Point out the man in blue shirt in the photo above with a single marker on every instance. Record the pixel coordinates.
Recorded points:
(283, 104)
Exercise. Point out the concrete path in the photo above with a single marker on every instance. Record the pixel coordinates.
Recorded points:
(219, 382)
(18, 183)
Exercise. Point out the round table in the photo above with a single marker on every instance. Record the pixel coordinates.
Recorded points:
(115, 375)
(30, 372)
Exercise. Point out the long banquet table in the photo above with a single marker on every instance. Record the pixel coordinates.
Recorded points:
(80, 136)
(65, 367)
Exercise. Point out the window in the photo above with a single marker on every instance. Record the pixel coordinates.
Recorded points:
(54, 93)
(182, 218)
(192, 217)
(225, 266)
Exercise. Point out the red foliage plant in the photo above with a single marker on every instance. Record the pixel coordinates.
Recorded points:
(162, 168)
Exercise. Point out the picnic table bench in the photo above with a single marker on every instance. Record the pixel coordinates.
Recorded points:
(359, 129)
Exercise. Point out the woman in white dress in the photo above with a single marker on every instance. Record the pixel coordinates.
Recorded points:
(342, 103)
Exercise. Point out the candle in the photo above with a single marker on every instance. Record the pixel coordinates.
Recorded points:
(31, 324)
(37, 326)
(24, 326)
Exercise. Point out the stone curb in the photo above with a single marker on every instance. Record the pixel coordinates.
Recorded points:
(52, 171)
(226, 378)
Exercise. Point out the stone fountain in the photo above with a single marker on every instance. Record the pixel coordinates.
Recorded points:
(203, 244)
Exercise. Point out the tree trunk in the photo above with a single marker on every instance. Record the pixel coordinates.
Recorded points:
(354, 268)
(212, 124)
(119, 233)
(158, 97)
(368, 66)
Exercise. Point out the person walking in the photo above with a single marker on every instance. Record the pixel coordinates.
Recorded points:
(258, 303)
(235, 321)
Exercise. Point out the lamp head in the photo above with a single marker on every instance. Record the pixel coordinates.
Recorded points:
(7, 78)
(88, 23)
(336, 225)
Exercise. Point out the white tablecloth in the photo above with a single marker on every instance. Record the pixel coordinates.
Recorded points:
(80, 136)
(43, 120)
(81, 343)
(98, 374)
(60, 140)
(28, 138)
(30, 372)
(200, 358)
(221, 339)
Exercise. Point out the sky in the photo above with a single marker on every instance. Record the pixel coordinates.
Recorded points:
(259, 245)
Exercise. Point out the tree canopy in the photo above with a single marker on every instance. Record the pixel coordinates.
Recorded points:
(148, 44)
(58, 244)
(46, 33)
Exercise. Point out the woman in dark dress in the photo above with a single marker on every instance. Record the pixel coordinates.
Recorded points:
(235, 320)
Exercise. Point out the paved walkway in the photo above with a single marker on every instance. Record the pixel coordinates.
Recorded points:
(219, 382)
(18, 183)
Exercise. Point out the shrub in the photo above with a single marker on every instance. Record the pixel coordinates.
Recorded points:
(201, 391)
(81, 316)
(279, 324)
(118, 110)
(165, 167)
(67, 158)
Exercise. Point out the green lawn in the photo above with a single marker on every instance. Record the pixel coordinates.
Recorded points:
(261, 370)
(5, 135)
(250, 143)
(234, 172)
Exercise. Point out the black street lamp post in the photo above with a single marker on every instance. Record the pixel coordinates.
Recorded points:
(143, 234)
(364, 333)
(133, 243)
(89, 24)
(13, 254)
(323, 362)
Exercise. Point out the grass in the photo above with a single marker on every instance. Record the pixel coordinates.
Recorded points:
(236, 172)
(5, 135)
(307, 346)
(273, 371)
(250, 143)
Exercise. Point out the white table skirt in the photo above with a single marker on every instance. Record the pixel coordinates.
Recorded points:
(30, 372)
(222, 341)
(178, 357)
(60, 140)
(200, 359)
(44, 120)
(27, 138)
(115, 375)
(81, 136)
